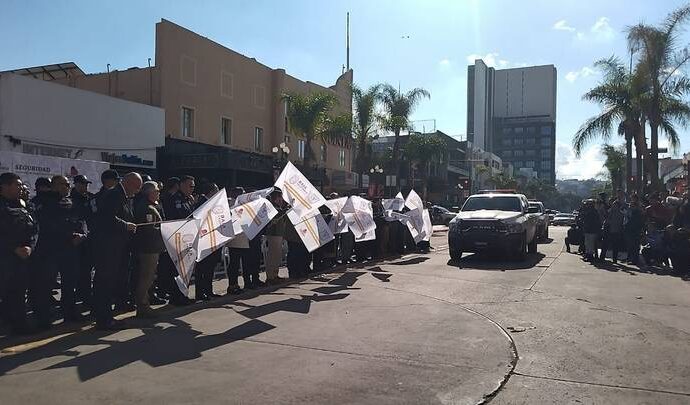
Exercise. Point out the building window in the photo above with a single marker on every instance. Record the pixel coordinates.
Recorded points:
(531, 130)
(530, 164)
(546, 130)
(341, 157)
(507, 130)
(518, 164)
(225, 130)
(518, 130)
(226, 84)
(188, 70)
(518, 153)
(187, 122)
(546, 164)
(518, 141)
(507, 142)
(300, 148)
(259, 96)
(258, 139)
(286, 139)
(545, 153)
(324, 153)
(546, 141)
(529, 141)
(530, 152)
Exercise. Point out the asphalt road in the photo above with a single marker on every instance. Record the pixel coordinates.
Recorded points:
(415, 329)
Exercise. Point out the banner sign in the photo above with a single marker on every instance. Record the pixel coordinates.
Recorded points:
(246, 197)
(314, 232)
(298, 191)
(181, 241)
(215, 227)
(253, 216)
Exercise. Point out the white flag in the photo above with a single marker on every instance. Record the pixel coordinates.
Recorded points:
(414, 202)
(337, 222)
(410, 227)
(298, 191)
(371, 235)
(428, 227)
(181, 240)
(359, 215)
(253, 216)
(246, 197)
(395, 204)
(215, 224)
(392, 216)
(314, 232)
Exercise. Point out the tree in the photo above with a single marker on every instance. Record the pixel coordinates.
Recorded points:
(614, 164)
(503, 182)
(398, 108)
(309, 118)
(661, 60)
(621, 96)
(420, 150)
(365, 120)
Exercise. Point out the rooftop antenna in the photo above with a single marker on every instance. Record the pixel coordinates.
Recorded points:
(348, 42)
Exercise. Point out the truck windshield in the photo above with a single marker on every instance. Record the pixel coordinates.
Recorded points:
(493, 203)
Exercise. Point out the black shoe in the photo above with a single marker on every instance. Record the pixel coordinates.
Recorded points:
(214, 295)
(156, 300)
(181, 301)
(125, 307)
(234, 290)
(203, 297)
(75, 318)
(259, 284)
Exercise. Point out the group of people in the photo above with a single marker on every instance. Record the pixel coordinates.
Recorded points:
(654, 228)
(108, 251)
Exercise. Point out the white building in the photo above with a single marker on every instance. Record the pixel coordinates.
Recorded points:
(42, 118)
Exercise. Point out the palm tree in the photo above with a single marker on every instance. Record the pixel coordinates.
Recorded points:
(398, 109)
(661, 60)
(365, 120)
(621, 96)
(309, 117)
(614, 164)
(421, 149)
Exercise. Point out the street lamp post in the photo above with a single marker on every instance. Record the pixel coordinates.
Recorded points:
(280, 158)
(376, 170)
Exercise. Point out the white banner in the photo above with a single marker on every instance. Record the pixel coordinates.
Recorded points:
(414, 202)
(428, 227)
(314, 232)
(337, 223)
(298, 191)
(246, 197)
(371, 235)
(215, 224)
(181, 240)
(395, 204)
(253, 216)
(391, 216)
(359, 215)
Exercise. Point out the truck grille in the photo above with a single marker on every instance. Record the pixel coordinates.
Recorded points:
(484, 226)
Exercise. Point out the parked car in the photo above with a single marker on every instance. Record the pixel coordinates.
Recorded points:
(543, 220)
(552, 214)
(564, 220)
(493, 222)
(441, 215)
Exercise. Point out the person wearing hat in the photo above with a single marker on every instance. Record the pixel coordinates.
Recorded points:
(42, 187)
(81, 200)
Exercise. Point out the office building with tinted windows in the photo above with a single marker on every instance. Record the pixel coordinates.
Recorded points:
(512, 113)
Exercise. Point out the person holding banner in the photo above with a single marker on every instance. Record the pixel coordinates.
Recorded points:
(115, 227)
(239, 252)
(275, 233)
(203, 272)
(147, 247)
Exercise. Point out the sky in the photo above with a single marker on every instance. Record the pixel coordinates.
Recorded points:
(408, 43)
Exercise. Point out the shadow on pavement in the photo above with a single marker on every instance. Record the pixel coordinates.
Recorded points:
(414, 260)
(479, 261)
(545, 241)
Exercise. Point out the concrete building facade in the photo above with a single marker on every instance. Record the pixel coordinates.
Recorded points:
(512, 113)
(223, 110)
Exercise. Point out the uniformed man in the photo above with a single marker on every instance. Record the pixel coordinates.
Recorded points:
(42, 187)
(109, 179)
(62, 231)
(17, 243)
(172, 186)
(182, 205)
(81, 201)
(111, 237)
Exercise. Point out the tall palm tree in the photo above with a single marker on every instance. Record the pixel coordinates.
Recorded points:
(621, 96)
(614, 164)
(661, 59)
(365, 120)
(421, 149)
(398, 110)
(310, 117)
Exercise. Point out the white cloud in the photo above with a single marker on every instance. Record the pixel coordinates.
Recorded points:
(562, 25)
(584, 72)
(492, 60)
(601, 26)
(444, 63)
(600, 31)
(588, 166)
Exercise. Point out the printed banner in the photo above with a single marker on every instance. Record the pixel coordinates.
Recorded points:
(371, 235)
(414, 202)
(391, 216)
(253, 216)
(215, 224)
(359, 215)
(314, 232)
(298, 191)
(428, 227)
(337, 223)
(254, 195)
(394, 204)
(181, 241)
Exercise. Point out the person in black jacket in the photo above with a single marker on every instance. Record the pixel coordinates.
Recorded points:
(81, 200)
(111, 237)
(148, 245)
(591, 227)
(203, 272)
(17, 243)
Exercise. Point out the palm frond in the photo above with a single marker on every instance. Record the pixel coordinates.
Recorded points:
(599, 125)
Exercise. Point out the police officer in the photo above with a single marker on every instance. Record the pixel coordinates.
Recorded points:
(81, 201)
(182, 205)
(62, 231)
(42, 188)
(110, 238)
(17, 243)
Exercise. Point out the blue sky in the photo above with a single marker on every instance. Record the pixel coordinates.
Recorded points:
(415, 43)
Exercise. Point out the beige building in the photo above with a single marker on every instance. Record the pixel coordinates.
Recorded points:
(223, 111)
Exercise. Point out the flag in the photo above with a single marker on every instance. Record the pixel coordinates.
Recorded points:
(250, 218)
(395, 204)
(246, 197)
(417, 222)
(181, 240)
(337, 222)
(371, 235)
(215, 224)
(314, 232)
(298, 191)
(428, 227)
(391, 216)
(414, 202)
(359, 215)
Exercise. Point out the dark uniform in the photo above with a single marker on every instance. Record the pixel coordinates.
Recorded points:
(56, 253)
(82, 206)
(203, 273)
(179, 207)
(110, 241)
(19, 228)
